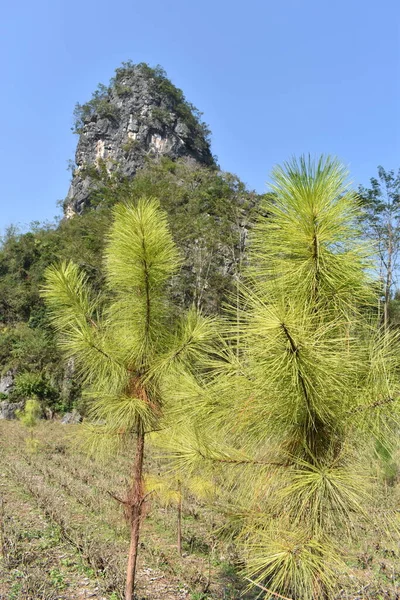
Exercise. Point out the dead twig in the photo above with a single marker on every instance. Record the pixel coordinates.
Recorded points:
(267, 590)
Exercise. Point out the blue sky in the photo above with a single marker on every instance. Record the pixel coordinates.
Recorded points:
(274, 79)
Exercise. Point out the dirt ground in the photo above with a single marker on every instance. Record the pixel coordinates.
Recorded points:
(63, 536)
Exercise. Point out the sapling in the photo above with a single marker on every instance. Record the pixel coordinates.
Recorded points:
(129, 343)
(29, 418)
(306, 384)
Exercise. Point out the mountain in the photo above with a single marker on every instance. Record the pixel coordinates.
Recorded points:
(140, 116)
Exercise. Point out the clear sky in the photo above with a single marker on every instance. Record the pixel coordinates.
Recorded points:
(273, 78)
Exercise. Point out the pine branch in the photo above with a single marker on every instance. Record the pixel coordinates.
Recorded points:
(376, 404)
(182, 348)
(244, 461)
(295, 350)
(108, 356)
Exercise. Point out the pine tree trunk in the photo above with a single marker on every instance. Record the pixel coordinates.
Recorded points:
(135, 502)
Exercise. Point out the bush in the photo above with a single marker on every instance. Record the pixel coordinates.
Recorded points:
(99, 105)
(27, 385)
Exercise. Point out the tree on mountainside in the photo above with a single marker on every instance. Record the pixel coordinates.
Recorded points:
(26, 340)
(381, 204)
(209, 212)
(129, 343)
(305, 386)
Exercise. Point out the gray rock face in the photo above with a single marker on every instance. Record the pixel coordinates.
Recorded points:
(6, 382)
(71, 418)
(8, 409)
(140, 116)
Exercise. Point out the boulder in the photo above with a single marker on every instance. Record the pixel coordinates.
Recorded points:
(6, 382)
(71, 418)
(8, 409)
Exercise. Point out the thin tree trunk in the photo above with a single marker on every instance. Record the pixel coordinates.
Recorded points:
(389, 275)
(2, 533)
(180, 519)
(135, 502)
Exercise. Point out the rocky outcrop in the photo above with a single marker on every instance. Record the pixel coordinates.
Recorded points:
(6, 382)
(141, 115)
(71, 418)
(8, 410)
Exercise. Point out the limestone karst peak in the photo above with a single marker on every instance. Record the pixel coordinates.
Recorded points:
(141, 115)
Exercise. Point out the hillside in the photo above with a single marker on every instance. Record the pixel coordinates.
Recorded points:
(137, 136)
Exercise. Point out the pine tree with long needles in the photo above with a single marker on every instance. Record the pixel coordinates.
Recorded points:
(129, 343)
(305, 386)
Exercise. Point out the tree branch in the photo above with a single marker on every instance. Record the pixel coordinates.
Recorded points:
(295, 350)
(376, 404)
(244, 461)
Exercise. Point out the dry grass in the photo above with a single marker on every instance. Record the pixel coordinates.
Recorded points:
(72, 495)
(64, 536)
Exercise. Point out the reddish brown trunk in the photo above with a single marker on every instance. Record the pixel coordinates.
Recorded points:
(180, 519)
(135, 502)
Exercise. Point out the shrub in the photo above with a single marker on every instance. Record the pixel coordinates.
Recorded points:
(99, 105)
(34, 385)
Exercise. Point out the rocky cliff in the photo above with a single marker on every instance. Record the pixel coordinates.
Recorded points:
(141, 115)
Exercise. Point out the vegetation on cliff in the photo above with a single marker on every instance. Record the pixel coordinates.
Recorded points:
(101, 104)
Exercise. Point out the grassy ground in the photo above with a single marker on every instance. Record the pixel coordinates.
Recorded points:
(63, 536)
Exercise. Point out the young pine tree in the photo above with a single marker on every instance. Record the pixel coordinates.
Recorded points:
(174, 491)
(29, 417)
(128, 344)
(305, 386)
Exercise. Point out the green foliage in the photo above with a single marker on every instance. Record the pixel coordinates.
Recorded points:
(381, 223)
(122, 90)
(127, 345)
(24, 258)
(26, 341)
(123, 341)
(100, 104)
(394, 310)
(29, 417)
(29, 384)
(24, 347)
(30, 414)
(21, 260)
(130, 145)
(305, 385)
(389, 467)
(161, 114)
(207, 210)
(381, 205)
(191, 116)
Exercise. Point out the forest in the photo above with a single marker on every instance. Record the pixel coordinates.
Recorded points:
(230, 362)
